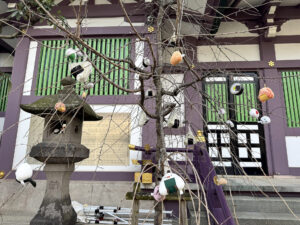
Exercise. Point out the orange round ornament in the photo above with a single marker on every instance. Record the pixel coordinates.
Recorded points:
(176, 58)
(265, 94)
(61, 107)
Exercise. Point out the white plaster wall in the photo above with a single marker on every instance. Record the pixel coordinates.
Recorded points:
(185, 29)
(30, 67)
(234, 29)
(2, 119)
(97, 22)
(6, 60)
(135, 138)
(227, 53)
(139, 56)
(102, 2)
(287, 51)
(291, 27)
(293, 150)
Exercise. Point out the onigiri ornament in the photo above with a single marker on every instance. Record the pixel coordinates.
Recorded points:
(146, 62)
(71, 54)
(150, 93)
(170, 183)
(254, 113)
(81, 71)
(24, 173)
(265, 120)
(265, 94)
(176, 58)
(236, 89)
(156, 195)
(174, 119)
(89, 85)
(221, 111)
(143, 119)
(230, 123)
(190, 137)
(60, 107)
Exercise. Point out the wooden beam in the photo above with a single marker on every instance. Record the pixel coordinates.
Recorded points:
(100, 11)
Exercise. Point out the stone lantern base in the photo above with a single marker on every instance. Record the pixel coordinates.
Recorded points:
(56, 208)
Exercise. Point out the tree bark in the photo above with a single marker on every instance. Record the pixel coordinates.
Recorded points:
(160, 145)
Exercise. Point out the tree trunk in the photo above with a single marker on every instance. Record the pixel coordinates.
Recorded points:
(160, 145)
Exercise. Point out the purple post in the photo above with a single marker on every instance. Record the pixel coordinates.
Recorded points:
(217, 204)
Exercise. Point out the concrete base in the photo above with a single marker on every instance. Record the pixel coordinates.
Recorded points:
(56, 208)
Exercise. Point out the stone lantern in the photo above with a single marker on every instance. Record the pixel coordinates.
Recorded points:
(60, 149)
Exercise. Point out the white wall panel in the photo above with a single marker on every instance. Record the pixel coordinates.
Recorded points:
(293, 150)
(234, 29)
(30, 67)
(287, 51)
(227, 53)
(291, 27)
(6, 60)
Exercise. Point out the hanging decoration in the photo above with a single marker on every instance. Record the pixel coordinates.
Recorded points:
(24, 173)
(254, 113)
(189, 138)
(89, 85)
(146, 62)
(230, 123)
(265, 120)
(200, 137)
(170, 183)
(174, 119)
(265, 94)
(150, 93)
(71, 54)
(60, 107)
(84, 95)
(143, 119)
(81, 71)
(2, 174)
(221, 111)
(236, 89)
(220, 181)
(150, 29)
(156, 195)
(176, 58)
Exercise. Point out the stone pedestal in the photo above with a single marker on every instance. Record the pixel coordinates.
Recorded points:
(56, 208)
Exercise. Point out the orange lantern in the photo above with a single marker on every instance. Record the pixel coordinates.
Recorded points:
(265, 94)
(176, 58)
(61, 107)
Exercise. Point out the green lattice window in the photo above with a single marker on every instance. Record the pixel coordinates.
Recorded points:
(53, 66)
(291, 89)
(216, 98)
(237, 107)
(4, 88)
(245, 102)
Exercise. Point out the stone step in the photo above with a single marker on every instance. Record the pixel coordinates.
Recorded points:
(263, 204)
(256, 218)
(259, 204)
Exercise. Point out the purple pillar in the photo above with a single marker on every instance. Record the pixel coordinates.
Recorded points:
(275, 131)
(8, 142)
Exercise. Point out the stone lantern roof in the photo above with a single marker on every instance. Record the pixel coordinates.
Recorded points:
(45, 106)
